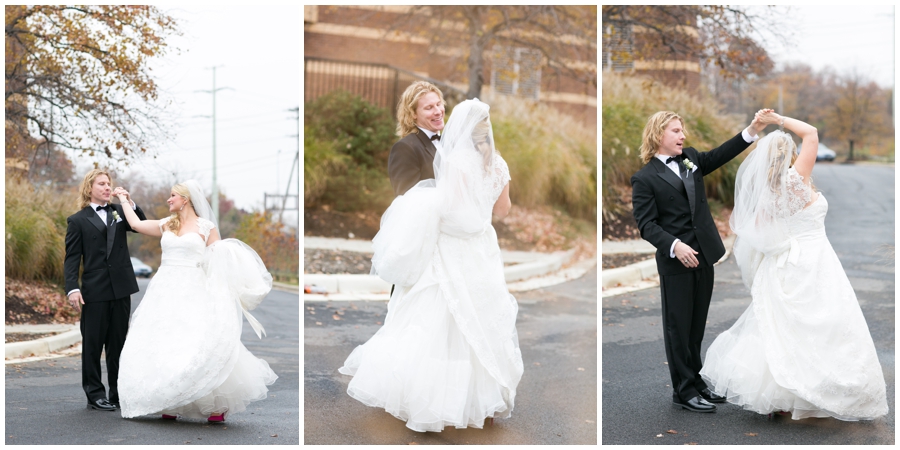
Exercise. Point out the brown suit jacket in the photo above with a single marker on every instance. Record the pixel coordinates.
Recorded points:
(411, 160)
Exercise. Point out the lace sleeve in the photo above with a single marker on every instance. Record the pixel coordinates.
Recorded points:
(799, 192)
(162, 224)
(205, 227)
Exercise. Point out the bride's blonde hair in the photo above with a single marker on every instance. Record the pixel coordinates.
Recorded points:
(778, 149)
(182, 191)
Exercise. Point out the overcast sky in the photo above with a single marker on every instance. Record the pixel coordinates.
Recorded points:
(843, 37)
(259, 51)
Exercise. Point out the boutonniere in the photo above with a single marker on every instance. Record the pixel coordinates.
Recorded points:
(687, 163)
(116, 215)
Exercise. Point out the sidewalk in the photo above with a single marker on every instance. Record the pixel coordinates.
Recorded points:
(525, 271)
(640, 275)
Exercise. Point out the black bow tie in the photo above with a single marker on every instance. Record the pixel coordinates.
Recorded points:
(678, 159)
(436, 137)
(107, 207)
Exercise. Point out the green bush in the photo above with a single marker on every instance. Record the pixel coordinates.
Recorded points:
(628, 101)
(354, 127)
(347, 141)
(36, 231)
(321, 163)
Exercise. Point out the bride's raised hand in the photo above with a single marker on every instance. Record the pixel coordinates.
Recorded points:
(768, 117)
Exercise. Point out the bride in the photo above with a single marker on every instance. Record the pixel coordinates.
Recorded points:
(802, 346)
(448, 353)
(183, 355)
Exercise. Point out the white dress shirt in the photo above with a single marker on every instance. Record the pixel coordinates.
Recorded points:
(429, 134)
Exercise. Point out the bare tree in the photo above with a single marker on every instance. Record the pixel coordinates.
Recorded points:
(858, 111)
(726, 38)
(565, 37)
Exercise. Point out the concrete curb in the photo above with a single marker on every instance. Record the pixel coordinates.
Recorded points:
(641, 275)
(372, 284)
(561, 276)
(43, 346)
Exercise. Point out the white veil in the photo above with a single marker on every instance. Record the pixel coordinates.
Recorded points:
(198, 199)
(457, 202)
(233, 268)
(463, 167)
(766, 194)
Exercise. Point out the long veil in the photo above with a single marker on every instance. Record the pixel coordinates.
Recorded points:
(766, 194)
(457, 202)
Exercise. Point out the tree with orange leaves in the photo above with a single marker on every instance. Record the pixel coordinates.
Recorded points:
(78, 78)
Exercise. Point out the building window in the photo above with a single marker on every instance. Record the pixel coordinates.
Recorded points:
(517, 71)
(618, 47)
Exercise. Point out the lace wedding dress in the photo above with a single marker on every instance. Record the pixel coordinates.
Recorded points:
(183, 354)
(803, 345)
(448, 353)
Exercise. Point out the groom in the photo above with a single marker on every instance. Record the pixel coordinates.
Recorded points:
(96, 238)
(670, 207)
(420, 117)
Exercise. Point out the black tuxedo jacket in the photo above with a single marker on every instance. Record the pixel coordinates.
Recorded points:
(664, 209)
(411, 160)
(108, 273)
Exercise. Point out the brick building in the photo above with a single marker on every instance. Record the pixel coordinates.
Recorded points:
(633, 48)
(378, 64)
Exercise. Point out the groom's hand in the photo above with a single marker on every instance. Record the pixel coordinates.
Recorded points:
(686, 255)
(76, 301)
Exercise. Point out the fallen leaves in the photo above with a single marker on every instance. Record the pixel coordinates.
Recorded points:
(671, 432)
(751, 434)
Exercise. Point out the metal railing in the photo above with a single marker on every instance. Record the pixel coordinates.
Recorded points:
(380, 84)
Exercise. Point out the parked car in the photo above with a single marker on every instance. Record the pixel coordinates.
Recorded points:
(825, 153)
(141, 269)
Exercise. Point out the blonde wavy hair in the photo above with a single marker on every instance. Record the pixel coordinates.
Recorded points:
(778, 150)
(174, 223)
(87, 183)
(406, 108)
(653, 133)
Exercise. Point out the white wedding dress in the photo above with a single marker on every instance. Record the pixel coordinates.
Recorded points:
(183, 354)
(448, 353)
(802, 346)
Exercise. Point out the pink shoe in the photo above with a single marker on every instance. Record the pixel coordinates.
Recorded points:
(217, 418)
(168, 417)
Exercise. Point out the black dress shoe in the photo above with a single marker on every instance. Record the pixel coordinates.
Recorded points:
(711, 396)
(101, 404)
(114, 403)
(697, 404)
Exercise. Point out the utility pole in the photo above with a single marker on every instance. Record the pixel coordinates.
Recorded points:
(780, 100)
(215, 185)
(291, 176)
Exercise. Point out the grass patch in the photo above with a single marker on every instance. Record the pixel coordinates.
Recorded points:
(36, 231)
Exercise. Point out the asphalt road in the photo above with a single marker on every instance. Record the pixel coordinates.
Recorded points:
(45, 403)
(556, 400)
(637, 405)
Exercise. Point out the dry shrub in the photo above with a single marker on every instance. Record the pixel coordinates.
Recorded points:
(36, 230)
(552, 157)
(628, 101)
(279, 251)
